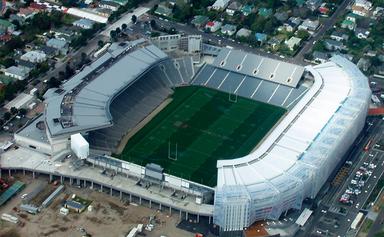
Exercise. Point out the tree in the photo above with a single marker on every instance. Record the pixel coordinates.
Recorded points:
(53, 82)
(153, 24)
(22, 111)
(14, 110)
(7, 116)
(124, 26)
(100, 43)
(134, 19)
(118, 31)
(303, 34)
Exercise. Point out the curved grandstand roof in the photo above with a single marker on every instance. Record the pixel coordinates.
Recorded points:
(82, 103)
(297, 157)
(288, 142)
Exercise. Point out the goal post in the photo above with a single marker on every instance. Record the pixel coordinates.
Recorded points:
(172, 155)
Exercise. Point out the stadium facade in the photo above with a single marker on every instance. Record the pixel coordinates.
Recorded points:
(327, 105)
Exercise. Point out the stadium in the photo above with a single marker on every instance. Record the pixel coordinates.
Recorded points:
(248, 136)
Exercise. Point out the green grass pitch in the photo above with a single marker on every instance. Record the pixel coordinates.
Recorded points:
(199, 127)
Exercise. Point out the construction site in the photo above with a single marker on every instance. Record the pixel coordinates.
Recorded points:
(39, 210)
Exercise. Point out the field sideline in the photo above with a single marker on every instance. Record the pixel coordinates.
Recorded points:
(199, 127)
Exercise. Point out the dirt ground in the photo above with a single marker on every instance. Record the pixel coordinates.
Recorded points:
(109, 217)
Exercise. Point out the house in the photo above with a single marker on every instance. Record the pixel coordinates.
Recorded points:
(17, 18)
(281, 16)
(352, 17)
(109, 5)
(363, 3)
(34, 56)
(163, 10)
(265, 12)
(228, 29)
(371, 53)
(324, 10)
(75, 206)
(104, 12)
(49, 51)
(260, 37)
(320, 57)
(313, 4)
(293, 42)
(64, 33)
(363, 64)
(84, 23)
(213, 26)
(361, 11)
(274, 42)
(339, 35)
(7, 26)
(247, 9)
(120, 2)
(26, 13)
(292, 24)
(333, 45)
(347, 56)
(362, 33)
(309, 25)
(60, 45)
(200, 21)
(37, 7)
(243, 32)
(348, 24)
(25, 64)
(16, 72)
(232, 8)
(220, 5)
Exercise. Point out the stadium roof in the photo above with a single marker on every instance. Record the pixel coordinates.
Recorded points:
(261, 67)
(286, 148)
(82, 103)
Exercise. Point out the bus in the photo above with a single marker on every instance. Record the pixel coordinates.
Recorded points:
(356, 222)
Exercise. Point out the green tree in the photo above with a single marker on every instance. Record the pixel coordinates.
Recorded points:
(14, 110)
(303, 34)
(134, 19)
(124, 26)
(100, 43)
(7, 116)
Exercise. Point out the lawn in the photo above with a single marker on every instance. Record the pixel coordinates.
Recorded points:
(199, 127)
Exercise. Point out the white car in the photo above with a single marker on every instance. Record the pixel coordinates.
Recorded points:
(24, 195)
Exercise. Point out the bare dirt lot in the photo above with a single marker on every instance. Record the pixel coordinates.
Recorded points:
(109, 217)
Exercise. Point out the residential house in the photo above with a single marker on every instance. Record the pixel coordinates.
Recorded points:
(347, 56)
(109, 5)
(333, 45)
(104, 12)
(361, 11)
(292, 24)
(200, 21)
(348, 24)
(228, 29)
(233, 7)
(247, 9)
(25, 64)
(243, 32)
(260, 37)
(16, 72)
(313, 4)
(34, 56)
(363, 3)
(324, 9)
(84, 23)
(363, 64)
(362, 33)
(220, 5)
(274, 42)
(320, 57)
(37, 7)
(310, 26)
(213, 26)
(339, 35)
(26, 13)
(352, 17)
(120, 2)
(7, 26)
(163, 10)
(293, 42)
(50, 51)
(371, 53)
(64, 33)
(265, 12)
(281, 16)
(60, 45)
(15, 17)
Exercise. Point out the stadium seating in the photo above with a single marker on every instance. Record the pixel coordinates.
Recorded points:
(137, 101)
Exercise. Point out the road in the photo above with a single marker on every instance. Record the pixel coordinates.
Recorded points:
(328, 219)
(307, 47)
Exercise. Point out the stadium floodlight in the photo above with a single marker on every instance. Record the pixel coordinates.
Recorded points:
(170, 153)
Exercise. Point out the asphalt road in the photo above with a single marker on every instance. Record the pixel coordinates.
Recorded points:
(307, 47)
(327, 220)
